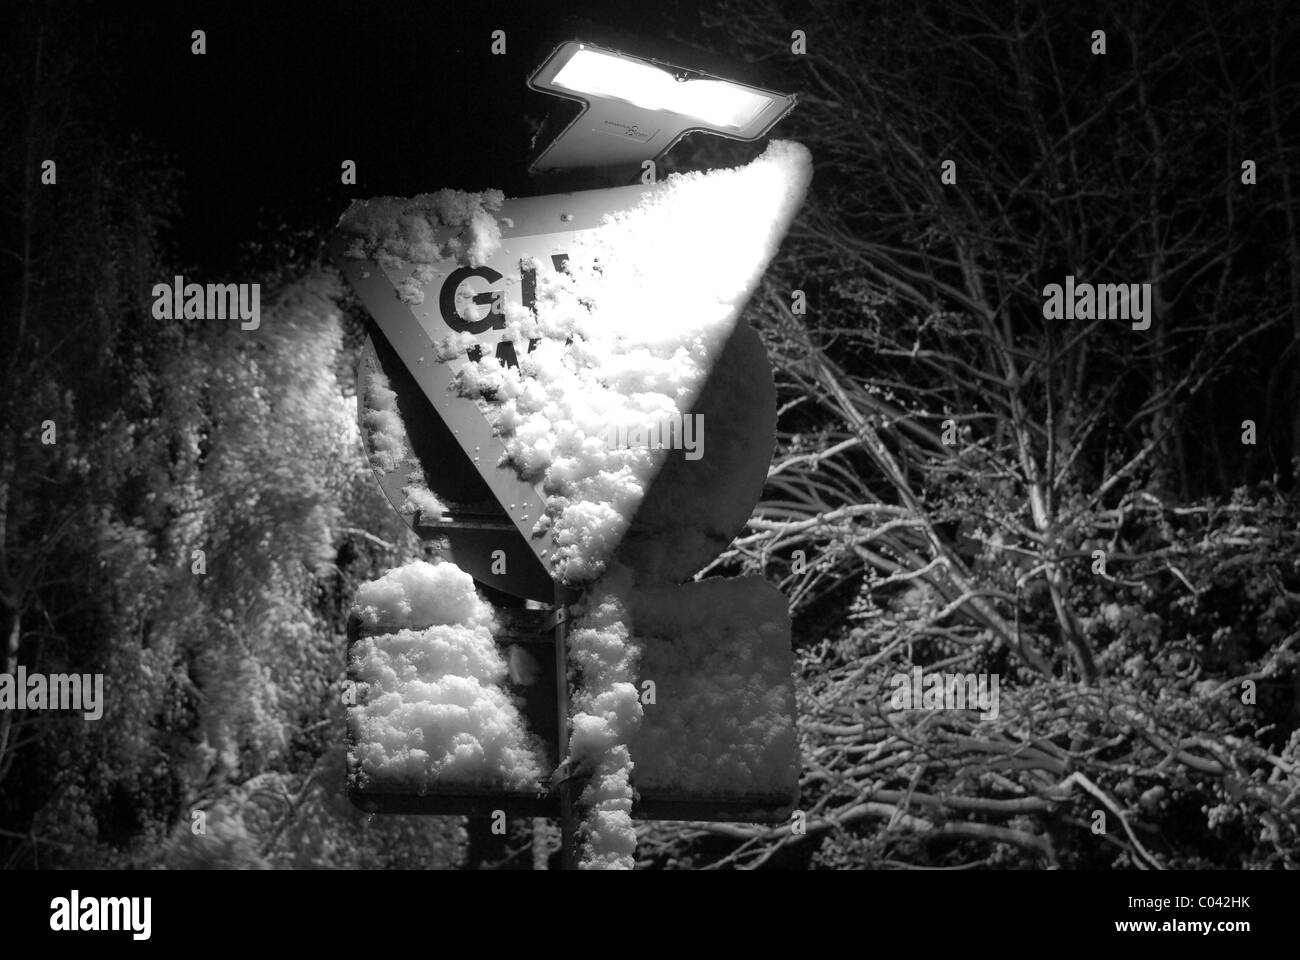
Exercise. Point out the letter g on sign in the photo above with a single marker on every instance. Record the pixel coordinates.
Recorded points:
(447, 301)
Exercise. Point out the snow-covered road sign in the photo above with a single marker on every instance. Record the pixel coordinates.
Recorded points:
(489, 525)
(719, 744)
(491, 537)
(637, 335)
(452, 442)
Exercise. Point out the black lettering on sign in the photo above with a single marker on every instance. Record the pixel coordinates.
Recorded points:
(506, 353)
(561, 263)
(529, 285)
(495, 320)
(506, 350)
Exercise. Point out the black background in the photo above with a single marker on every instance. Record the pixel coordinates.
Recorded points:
(286, 92)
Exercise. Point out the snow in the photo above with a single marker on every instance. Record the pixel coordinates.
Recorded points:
(420, 500)
(422, 594)
(385, 433)
(620, 348)
(627, 335)
(522, 666)
(393, 230)
(719, 654)
(389, 448)
(410, 290)
(722, 724)
(606, 711)
(430, 701)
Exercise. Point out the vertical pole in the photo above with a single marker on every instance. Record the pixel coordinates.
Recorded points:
(541, 843)
(568, 813)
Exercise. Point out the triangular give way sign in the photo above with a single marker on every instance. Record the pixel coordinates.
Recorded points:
(564, 343)
(559, 386)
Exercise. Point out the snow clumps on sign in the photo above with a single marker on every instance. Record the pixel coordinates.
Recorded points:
(431, 703)
(420, 499)
(627, 334)
(384, 431)
(605, 713)
(629, 331)
(389, 448)
(719, 654)
(394, 231)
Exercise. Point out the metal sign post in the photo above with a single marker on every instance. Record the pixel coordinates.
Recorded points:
(563, 787)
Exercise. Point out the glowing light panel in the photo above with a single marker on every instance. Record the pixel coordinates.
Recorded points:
(715, 102)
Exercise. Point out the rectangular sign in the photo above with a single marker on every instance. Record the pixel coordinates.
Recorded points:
(718, 742)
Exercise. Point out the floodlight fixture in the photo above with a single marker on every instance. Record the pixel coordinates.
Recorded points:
(636, 108)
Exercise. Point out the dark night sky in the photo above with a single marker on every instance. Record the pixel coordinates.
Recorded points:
(410, 91)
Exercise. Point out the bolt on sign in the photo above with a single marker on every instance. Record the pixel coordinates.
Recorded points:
(709, 650)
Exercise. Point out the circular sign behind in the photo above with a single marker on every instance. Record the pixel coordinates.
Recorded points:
(699, 502)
